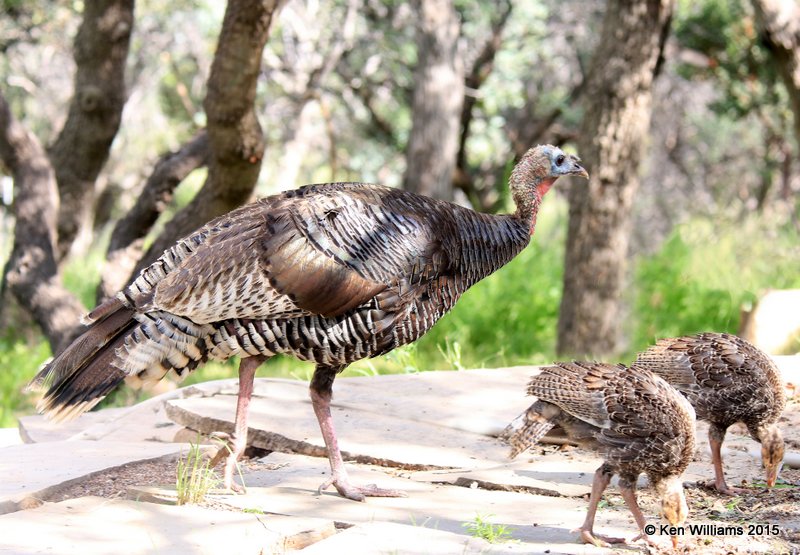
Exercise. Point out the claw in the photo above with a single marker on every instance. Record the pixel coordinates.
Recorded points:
(359, 493)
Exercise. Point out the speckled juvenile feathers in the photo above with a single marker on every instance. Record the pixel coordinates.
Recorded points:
(725, 378)
(633, 417)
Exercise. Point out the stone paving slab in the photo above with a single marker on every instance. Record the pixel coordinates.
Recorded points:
(93, 525)
(9, 436)
(288, 484)
(31, 471)
(478, 401)
(145, 421)
(283, 424)
(388, 538)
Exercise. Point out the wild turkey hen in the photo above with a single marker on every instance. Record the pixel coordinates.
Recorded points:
(327, 273)
(634, 418)
(727, 380)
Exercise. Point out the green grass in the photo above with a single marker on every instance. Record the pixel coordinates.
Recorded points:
(194, 476)
(18, 364)
(704, 276)
(480, 527)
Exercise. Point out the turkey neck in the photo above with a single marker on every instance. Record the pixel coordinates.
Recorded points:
(488, 242)
(528, 200)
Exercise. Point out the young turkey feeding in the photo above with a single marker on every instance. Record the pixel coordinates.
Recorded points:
(327, 273)
(727, 380)
(635, 419)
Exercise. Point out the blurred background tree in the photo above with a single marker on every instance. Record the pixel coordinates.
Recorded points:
(124, 126)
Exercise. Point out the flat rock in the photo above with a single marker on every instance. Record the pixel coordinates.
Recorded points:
(36, 428)
(9, 436)
(31, 472)
(145, 421)
(385, 537)
(93, 525)
(287, 485)
(281, 424)
(477, 401)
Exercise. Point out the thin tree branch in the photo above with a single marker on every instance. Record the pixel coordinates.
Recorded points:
(235, 137)
(464, 176)
(125, 247)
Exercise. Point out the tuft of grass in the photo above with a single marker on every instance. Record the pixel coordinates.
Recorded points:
(194, 476)
(480, 527)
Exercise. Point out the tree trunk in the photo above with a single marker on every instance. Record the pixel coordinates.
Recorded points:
(31, 273)
(235, 137)
(438, 98)
(95, 111)
(614, 129)
(780, 23)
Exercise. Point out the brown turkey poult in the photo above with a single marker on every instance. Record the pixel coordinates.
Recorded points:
(327, 273)
(727, 380)
(635, 419)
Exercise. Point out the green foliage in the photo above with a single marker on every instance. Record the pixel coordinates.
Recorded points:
(725, 32)
(81, 275)
(703, 276)
(18, 364)
(194, 476)
(480, 527)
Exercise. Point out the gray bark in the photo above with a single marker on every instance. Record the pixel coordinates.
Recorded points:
(437, 101)
(780, 24)
(31, 273)
(95, 112)
(234, 133)
(614, 130)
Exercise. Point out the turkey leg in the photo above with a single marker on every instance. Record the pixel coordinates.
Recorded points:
(716, 435)
(321, 391)
(629, 495)
(235, 445)
(602, 477)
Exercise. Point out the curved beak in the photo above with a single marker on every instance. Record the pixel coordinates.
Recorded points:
(576, 168)
(674, 542)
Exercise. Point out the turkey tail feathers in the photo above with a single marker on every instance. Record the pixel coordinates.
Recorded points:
(525, 431)
(84, 373)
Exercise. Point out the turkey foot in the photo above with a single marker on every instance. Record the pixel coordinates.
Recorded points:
(650, 541)
(587, 536)
(321, 401)
(725, 489)
(229, 452)
(359, 493)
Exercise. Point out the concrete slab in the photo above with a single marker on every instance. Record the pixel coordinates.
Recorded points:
(288, 485)
(384, 537)
(478, 401)
(36, 428)
(32, 471)
(281, 423)
(93, 525)
(145, 421)
(9, 436)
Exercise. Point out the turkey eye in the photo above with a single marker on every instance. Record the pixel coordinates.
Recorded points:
(560, 160)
